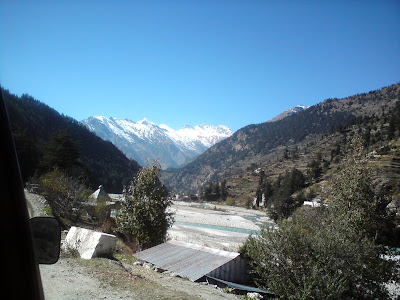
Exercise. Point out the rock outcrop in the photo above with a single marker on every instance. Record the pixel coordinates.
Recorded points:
(90, 243)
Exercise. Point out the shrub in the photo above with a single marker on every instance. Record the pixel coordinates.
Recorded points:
(314, 257)
(355, 197)
(47, 211)
(101, 210)
(247, 202)
(65, 195)
(230, 201)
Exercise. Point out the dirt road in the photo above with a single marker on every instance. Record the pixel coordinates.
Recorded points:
(68, 280)
(101, 278)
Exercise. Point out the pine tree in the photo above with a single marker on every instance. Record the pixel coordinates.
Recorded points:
(27, 152)
(62, 151)
(144, 214)
(223, 191)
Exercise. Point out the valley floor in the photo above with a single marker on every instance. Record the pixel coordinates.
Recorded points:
(216, 226)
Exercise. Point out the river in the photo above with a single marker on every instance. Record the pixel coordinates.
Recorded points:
(216, 226)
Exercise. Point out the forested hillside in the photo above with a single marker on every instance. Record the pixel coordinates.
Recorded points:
(41, 134)
(255, 144)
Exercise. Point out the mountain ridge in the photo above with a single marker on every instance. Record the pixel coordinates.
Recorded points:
(253, 143)
(289, 112)
(144, 140)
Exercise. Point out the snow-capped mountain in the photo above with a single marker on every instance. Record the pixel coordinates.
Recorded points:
(289, 112)
(145, 141)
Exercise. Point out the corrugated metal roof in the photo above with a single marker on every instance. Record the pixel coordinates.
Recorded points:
(185, 259)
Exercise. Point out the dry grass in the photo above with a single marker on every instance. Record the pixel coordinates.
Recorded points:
(133, 280)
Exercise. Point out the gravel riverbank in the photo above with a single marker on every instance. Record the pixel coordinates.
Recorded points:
(216, 226)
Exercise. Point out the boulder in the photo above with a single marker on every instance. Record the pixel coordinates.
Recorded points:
(394, 205)
(254, 296)
(90, 243)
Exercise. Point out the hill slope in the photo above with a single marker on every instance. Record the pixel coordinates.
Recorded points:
(254, 143)
(36, 122)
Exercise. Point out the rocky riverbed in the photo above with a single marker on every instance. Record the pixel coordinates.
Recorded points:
(215, 226)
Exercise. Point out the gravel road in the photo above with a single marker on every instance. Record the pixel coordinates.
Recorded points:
(72, 278)
(36, 204)
(67, 280)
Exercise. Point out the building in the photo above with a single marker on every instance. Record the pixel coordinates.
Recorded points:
(195, 262)
(101, 203)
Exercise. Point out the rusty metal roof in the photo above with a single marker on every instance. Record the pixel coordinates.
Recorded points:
(185, 259)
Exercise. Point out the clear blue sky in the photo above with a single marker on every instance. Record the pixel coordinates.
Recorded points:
(190, 62)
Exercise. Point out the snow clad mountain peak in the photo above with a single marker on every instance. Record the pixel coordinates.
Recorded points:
(298, 108)
(289, 112)
(145, 140)
(187, 127)
(145, 121)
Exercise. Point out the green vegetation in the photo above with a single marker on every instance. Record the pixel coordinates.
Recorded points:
(279, 196)
(61, 152)
(65, 194)
(48, 211)
(27, 152)
(213, 191)
(329, 252)
(355, 196)
(230, 201)
(45, 139)
(144, 214)
(394, 122)
(101, 211)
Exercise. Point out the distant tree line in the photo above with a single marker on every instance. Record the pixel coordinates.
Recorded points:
(213, 191)
(278, 195)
